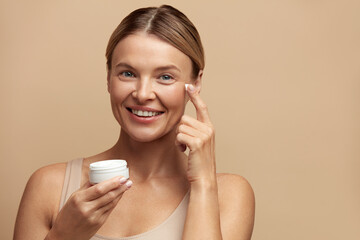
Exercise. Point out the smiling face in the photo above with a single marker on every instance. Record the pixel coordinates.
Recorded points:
(146, 86)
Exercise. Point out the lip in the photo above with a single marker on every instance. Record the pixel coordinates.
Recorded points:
(143, 120)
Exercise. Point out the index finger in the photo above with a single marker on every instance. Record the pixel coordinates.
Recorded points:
(202, 113)
(104, 187)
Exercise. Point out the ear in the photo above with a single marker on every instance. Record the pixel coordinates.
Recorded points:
(198, 80)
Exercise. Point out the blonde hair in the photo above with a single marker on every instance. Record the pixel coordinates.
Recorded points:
(168, 24)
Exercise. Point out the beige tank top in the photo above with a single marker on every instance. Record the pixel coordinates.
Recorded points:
(170, 229)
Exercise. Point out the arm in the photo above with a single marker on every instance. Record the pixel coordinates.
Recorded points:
(203, 215)
(237, 207)
(214, 212)
(224, 214)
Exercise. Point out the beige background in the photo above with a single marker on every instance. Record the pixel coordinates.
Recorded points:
(282, 83)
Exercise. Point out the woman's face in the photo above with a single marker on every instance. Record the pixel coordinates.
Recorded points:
(146, 86)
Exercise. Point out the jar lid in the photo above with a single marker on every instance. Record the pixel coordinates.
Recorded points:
(108, 164)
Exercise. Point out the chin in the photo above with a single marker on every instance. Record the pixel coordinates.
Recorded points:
(145, 136)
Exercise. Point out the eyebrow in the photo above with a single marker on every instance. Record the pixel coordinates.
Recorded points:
(124, 65)
(162, 68)
(168, 67)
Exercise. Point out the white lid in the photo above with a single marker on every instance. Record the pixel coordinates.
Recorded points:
(108, 164)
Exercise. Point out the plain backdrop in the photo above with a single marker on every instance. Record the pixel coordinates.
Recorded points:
(282, 84)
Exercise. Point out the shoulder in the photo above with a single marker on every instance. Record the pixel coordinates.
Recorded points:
(236, 203)
(44, 186)
(47, 176)
(40, 201)
(234, 188)
(233, 184)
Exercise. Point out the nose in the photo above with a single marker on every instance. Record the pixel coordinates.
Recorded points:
(143, 91)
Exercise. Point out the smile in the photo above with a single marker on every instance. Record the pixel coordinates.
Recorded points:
(141, 113)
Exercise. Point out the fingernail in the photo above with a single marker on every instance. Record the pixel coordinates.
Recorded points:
(123, 180)
(191, 88)
(129, 183)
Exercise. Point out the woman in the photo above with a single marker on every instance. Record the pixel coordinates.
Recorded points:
(151, 55)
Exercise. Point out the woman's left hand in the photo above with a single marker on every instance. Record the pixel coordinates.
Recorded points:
(198, 135)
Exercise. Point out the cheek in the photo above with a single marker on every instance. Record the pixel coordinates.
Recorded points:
(120, 91)
(172, 96)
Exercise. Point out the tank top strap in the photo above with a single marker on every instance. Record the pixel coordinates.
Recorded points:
(72, 180)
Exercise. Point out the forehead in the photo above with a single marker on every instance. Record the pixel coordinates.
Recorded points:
(146, 51)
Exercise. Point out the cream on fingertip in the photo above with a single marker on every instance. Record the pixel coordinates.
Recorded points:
(189, 87)
(186, 86)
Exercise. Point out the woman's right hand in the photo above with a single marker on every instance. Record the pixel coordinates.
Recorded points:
(87, 209)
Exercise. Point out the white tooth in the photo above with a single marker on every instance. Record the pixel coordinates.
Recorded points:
(141, 113)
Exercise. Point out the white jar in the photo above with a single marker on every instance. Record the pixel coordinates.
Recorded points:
(104, 170)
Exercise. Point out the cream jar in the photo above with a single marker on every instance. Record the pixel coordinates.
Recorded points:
(104, 170)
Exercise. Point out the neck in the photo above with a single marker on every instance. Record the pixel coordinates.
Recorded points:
(159, 158)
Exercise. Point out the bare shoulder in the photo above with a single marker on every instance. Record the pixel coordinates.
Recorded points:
(40, 201)
(48, 176)
(237, 205)
(234, 189)
(45, 185)
(233, 185)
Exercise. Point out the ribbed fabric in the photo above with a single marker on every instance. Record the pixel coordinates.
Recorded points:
(170, 229)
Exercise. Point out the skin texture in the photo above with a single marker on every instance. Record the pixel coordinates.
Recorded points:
(146, 73)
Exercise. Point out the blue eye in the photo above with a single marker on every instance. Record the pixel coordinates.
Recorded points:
(127, 74)
(166, 77)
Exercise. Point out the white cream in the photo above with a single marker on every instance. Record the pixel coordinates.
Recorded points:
(104, 170)
(186, 86)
